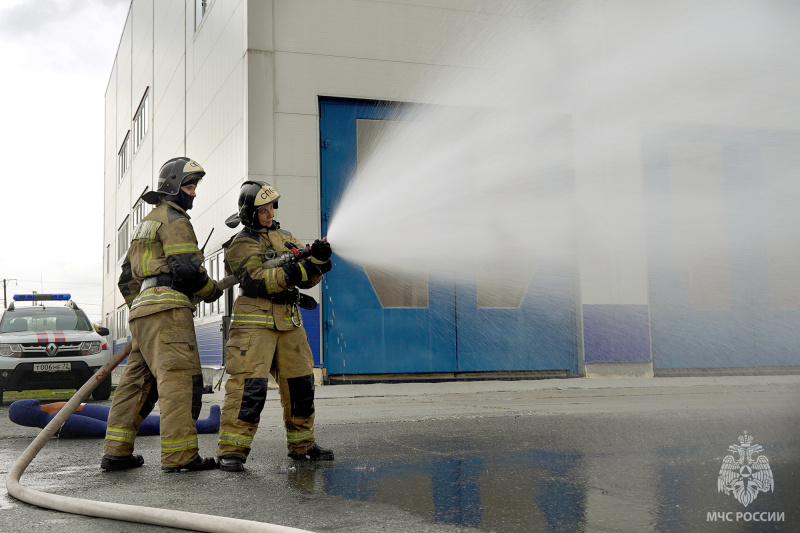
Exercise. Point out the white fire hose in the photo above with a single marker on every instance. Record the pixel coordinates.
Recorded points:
(120, 511)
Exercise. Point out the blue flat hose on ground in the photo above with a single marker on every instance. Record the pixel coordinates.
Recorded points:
(118, 511)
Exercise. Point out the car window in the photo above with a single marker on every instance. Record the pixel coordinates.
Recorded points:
(44, 320)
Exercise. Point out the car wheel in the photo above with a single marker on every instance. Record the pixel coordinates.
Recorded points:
(103, 391)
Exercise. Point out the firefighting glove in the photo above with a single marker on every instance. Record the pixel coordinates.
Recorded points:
(215, 296)
(292, 274)
(296, 273)
(320, 268)
(321, 251)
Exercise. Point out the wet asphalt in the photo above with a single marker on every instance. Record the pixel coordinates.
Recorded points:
(540, 455)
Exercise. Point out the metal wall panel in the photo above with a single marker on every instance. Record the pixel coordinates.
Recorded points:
(209, 344)
(141, 50)
(260, 116)
(110, 193)
(169, 84)
(385, 31)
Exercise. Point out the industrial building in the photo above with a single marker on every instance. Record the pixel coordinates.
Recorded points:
(286, 90)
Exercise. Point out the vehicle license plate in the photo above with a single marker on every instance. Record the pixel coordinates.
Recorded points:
(51, 367)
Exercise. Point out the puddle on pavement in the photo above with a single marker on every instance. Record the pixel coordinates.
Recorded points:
(536, 489)
(668, 489)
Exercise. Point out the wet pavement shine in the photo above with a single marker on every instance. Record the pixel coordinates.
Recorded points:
(548, 455)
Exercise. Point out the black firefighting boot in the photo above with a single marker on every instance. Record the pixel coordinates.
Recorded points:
(199, 463)
(113, 463)
(231, 463)
(313, 453)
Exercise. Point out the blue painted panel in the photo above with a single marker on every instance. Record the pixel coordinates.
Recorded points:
(750, 332)
(116, 345)
(542, 333)
(453, 334)
(209, 344)
(360, 336)
(616, 334)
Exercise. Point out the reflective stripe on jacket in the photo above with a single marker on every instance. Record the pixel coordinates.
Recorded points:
(245, 256)
(164, 242)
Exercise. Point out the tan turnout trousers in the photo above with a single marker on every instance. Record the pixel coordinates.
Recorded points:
(252, 355)
(164, 364)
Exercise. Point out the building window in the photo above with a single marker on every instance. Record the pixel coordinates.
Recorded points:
(140, 211)
(123, 158)
(200, 9)
(121, 323)
(141, 121)
(108, 258)
(122, 240)
(215, 267)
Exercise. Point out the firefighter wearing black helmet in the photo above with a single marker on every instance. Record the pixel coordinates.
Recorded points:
(161, 275)
(267, 336)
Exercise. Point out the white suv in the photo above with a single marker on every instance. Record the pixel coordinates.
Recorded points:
(48, 345)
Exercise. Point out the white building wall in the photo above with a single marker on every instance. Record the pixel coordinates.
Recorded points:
(109, 197)
(141, 80)
(301, 49)
(239, 93)
(169, 83)
(215, 135)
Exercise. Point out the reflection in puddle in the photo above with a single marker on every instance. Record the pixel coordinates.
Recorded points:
(534, 490)
(663, 489)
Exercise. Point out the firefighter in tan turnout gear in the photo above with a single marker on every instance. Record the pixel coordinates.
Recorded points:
(267, 336)
(161, 275)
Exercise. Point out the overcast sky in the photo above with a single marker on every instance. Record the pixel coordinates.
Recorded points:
(55, 60)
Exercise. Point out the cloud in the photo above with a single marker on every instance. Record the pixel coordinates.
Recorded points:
(63, 35)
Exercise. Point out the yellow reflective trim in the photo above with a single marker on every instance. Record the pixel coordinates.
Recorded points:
(236, 263)
(121, 439)
(146, 229)
(120, 430)
(148, 255)
(182, 251)
(299, 436)
(180, 248)
(179, 441)
(207, 290)
(303, 270)
(182, 449)
(235, 436)
(253, 319)
(232, 443)
(253, 261)
(149, 296)
(269, 279)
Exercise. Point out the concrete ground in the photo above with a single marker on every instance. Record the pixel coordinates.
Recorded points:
(542, 455)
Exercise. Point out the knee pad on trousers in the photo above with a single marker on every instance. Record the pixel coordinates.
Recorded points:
(301, 395)
(151, 400)
(253, 398)
(197, 395)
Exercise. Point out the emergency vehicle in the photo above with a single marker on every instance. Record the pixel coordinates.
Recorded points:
(48, 345)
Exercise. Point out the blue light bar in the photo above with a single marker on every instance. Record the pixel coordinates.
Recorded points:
(40, 297)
